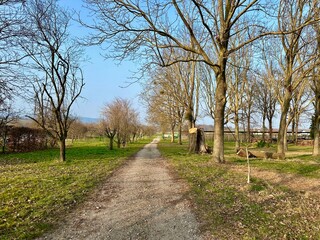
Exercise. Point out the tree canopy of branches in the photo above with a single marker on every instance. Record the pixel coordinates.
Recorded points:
(174, 95)
(11, 19)
(292, 17)
(56, 75)
(203, 29)
(120, 121)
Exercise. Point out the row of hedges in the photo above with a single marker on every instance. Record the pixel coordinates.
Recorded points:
(24, 139)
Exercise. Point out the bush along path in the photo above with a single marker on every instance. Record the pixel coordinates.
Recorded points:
(142, 200)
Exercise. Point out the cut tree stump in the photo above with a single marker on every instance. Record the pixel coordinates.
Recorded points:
(197, 141)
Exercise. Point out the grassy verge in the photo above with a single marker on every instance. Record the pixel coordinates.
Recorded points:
(299, 160)
(36, 189)
(231, 209)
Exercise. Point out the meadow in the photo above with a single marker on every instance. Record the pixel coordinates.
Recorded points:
(230, 208)
(37, 190)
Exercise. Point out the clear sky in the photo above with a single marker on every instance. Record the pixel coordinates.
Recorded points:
(104, 79)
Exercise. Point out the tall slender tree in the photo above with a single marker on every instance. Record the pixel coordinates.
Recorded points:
(292, 15)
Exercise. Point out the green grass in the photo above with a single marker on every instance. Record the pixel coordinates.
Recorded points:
(229, 208)
(299, 163)
(36, 189)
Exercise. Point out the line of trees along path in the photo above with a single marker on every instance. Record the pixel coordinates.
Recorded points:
(209, 33)
(202, 41)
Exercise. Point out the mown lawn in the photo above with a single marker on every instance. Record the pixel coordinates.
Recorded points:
(36, 190)
(229, 208)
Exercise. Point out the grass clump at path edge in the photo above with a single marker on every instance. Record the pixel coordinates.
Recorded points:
(229, 208)
(36, 189)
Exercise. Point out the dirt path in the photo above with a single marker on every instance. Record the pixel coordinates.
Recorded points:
(142, 200)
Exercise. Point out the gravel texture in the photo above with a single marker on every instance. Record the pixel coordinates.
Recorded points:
(142, 200)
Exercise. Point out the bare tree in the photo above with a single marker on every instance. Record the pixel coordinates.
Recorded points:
(109, 130)
(271, 78)
(300, 102)
(57, 77)
(169, 95)
(207, 89)
(203, 29)
(119, 120)
(240, 88)
(162, 104)
(11, 20)
(250, 90)
(77, 130)
(292, 15)
(266, 102)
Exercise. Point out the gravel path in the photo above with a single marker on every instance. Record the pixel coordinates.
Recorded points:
(142, 200)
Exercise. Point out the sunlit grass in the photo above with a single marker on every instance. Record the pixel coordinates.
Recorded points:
(36, 189)
(299, 160)
(229, 208)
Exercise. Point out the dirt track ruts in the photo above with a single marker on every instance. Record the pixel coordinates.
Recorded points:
(142, 200)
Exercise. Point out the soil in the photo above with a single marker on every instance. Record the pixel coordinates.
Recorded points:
(142, 200)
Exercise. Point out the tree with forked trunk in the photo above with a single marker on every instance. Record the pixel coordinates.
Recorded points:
(54, 70)
(292, 15)
(118, 121)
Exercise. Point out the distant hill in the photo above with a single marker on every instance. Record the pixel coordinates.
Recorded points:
(89, 120)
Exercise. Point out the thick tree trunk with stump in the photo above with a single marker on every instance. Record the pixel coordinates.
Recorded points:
(197, 141)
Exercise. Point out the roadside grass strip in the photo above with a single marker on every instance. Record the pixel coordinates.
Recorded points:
(229, 208)
(36, 190)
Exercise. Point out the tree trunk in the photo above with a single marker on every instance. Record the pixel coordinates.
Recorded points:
(3, 147)
(111, 143)
(201, 142)
(296, 130)
(4, 139)
(315, 151)
(118, 141)
(62, 145)
(220, 100)
(248, 126)
(285, 139)
(197, 138)
(172, 135)
(236, 131)
(180, 134)
(192, 140)
(270, 130)
(281, 147)
(263, 127)
(293, 130)
(192, 137)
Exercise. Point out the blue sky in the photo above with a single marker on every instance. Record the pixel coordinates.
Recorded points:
(104, 78)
